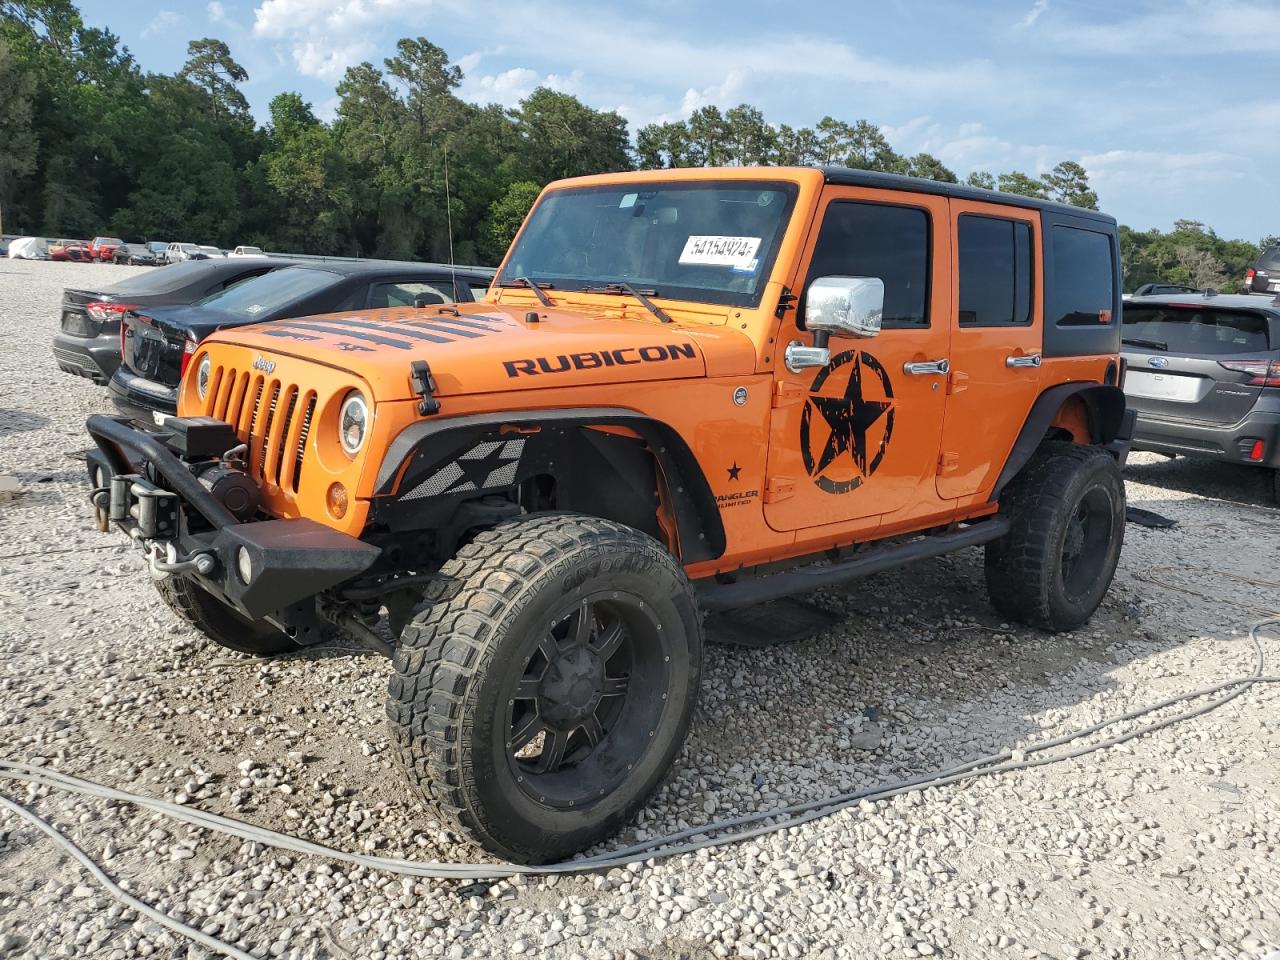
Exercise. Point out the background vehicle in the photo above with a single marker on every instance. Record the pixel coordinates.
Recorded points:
(1203, 374)
(29, 248)
(133, 254)
(1162, 289)
(682, 386)
(75, 251)
(104, 247)
(1264, 275)
(245, 251)
(177, 252)
(156, 345)
(88, 345)
(212, 253)
(158, 248)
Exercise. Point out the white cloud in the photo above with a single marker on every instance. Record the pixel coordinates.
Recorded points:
(1035, 13)
(511, 86)
(327, 61)
(1153, 170)
(217, 12)
(163, 22)
(1202, 27)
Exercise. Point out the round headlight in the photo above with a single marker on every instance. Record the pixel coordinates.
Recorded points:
(202, 376)
(353, 422)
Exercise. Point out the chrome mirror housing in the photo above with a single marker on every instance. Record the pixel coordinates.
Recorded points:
(844, 306)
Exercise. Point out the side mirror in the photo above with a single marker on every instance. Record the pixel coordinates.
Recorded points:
(844, 306)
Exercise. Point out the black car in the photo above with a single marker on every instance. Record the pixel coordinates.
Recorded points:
(1264, 275)
(89, 343)
(1203, 374)
(133, 255)
(1163, 289)
(156, 344)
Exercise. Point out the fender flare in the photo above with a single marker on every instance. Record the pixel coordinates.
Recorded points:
(693, 504)
(1110, 424)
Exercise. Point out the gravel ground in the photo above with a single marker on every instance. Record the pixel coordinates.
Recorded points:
(1164, 847)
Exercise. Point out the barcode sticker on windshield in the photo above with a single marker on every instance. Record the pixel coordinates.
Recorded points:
(719, 251)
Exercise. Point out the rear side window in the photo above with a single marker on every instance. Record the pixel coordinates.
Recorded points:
(270, 291)
(1196, 332)
(995, 272)
(1270, 259)
(1083, 277)
(403, 293)
(879, 240)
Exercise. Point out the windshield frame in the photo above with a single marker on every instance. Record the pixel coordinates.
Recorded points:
(789, 189)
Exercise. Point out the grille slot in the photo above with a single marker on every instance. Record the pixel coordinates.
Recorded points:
(271, 417)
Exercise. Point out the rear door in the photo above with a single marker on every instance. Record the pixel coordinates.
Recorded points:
(1194, 361)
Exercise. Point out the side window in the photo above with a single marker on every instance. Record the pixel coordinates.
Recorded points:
(995, 271)
(879, 240)
(1083, 277)
(405, 292)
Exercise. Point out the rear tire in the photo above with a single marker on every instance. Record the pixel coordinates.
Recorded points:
(222, 624)
(1053, 567)
(544, 690)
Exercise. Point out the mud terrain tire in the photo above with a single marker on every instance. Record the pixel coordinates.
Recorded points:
(581, 630)
(1053, 567)
(220, 623)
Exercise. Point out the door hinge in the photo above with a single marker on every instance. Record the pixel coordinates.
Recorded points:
(785, 393)
(957, 382)
(948, 463)
(779, 488)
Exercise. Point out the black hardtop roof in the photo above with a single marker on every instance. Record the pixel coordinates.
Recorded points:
(892, 181)
(351, 268)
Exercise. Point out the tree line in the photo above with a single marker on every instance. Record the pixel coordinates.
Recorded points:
(406, 169)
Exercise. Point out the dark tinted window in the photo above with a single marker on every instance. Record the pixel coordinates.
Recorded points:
(1196, 332)
(879, 240)
(995, 272)
(1270, 259)
(1083, 277)
(403, 293)
(270, 291)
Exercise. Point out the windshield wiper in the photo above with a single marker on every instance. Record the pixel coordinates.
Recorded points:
(1153, 344)
(641, 295)
(536, 286)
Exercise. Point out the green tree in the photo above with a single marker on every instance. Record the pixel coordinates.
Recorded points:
(869, 150)
(211, 67)
(709, 138)
(981, 179)
(751, 140)
(1020, 183)
(1068, 182)
(506, 214)
(834, 140)
(930, 167)
(562, 137)
(17, 130)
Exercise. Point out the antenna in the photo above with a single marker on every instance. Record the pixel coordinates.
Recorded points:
(448, 213)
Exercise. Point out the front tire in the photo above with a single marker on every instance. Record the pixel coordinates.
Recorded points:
(219, 622)
(544, 692)
(1053, 567)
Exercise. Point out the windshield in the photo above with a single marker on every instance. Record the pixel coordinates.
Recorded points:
(270, 291)
(706, 242)
(1197, 332)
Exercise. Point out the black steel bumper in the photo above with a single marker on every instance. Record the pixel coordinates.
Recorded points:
(152, 494)
(1231, 443)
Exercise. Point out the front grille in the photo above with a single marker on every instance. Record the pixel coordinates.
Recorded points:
(271, 417)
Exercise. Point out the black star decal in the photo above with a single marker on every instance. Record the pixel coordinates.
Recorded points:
(848, 417)
(734, 471)
(477, 469)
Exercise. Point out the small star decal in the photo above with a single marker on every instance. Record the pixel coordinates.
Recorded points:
(734, 471)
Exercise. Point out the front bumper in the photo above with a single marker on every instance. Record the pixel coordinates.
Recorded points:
(153, 494)
(1231, 443)
(95, 358)
(140, 398)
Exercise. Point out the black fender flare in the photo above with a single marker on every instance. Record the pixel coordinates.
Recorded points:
(692, 501)
(1110, 424)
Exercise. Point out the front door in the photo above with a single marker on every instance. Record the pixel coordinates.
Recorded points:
(996, 337)
(859, 437)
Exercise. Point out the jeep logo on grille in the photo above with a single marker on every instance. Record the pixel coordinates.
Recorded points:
(263, 364)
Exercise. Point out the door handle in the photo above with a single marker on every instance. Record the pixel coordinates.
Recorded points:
(1028, 360)
(928, 367)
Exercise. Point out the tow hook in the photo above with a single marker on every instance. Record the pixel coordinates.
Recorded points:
(164, 561)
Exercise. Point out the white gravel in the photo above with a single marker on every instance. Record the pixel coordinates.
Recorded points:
(1166, 847)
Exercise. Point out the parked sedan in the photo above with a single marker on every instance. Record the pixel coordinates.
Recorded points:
(1264, 275)
(157, 343)
(134, 255)
(88, 345)
(1203, 374)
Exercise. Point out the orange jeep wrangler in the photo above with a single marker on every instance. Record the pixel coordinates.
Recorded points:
(686, 390)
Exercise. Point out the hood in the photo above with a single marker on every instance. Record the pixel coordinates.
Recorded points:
(487, 348)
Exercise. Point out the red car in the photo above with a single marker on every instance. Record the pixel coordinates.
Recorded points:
(104, 247)
(77, 251)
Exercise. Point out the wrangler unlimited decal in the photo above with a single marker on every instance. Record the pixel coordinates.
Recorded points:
(624, 356)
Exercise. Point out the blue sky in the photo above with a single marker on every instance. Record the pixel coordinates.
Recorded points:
(1173, 106)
